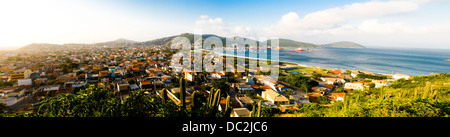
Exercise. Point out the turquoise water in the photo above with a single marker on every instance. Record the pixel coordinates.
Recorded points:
(415, 62)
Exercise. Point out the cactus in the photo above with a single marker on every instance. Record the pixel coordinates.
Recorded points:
(194, 104)
(258, 114)
(252, 113)
(215, 102)
(345, 103)
(210, 98)
(183, 93)
(427, 90)
(228, 107)
(163, 94)
(357, 99)
(434, 95)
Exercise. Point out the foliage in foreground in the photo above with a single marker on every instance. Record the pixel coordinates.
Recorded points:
(425, 96)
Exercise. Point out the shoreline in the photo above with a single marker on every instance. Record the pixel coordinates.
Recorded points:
(318, 67)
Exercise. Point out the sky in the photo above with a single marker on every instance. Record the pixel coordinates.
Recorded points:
(385, 23)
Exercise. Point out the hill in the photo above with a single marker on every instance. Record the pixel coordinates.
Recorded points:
(167, 41)
(343, 44)
(291, 44)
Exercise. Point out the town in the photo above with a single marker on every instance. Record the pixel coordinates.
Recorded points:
(29, 78)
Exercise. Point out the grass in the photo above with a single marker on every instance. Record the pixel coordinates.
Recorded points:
(311, 70)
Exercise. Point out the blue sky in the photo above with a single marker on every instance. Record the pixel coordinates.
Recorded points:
(390, 23)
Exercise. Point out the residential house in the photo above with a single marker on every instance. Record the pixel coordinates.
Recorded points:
(218, 75)
(298, 99)
(240, 112)
(145, 84)
(274, 97)
(249, 80)
(358, 85)
(77, 84)
(24, 82)
(18, 74)
(65, 78)
(50, 88)
(337, 96)
(189, 76)
(321, 89)
(336, 72)
(246, 101)
(279, 88)
(123, 86)
(244, 88)
(332, 80)
(3, 77)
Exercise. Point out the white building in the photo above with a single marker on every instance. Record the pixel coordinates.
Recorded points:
(24, 82)
(274, 97)
(218, 75)
(240, 112)
(400, 76)
(332, 80)
(51, 88)
(359, 86)
(189, 76)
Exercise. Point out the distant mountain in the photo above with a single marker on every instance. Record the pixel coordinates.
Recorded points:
(343, 44)
(34, 46)
(122, 40)
(284, 43)
(167, 41)
(291, 44)
(118, 42)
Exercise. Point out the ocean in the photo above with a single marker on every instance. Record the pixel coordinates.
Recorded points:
(414, 62)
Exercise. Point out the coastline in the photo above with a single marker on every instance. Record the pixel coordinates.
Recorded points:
(290, 63)
(382, 71)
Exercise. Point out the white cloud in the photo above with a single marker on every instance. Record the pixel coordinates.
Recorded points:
(363, 23)
(220, 27)
(334, 17)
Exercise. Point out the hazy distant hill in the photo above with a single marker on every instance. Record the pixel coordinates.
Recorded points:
(167, 41)
(343, 44)
(34, 46)
(291, 44)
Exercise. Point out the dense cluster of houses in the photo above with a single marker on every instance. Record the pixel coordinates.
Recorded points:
(126, 69)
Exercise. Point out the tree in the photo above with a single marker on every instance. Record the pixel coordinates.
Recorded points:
(323, 100)
(339, 90)
(371, 85)
(348, 72)
(3, 107)
(316, 75)
(222, 85)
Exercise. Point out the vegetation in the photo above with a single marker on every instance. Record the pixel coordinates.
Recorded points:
(424, 96)
(376, 77)
(299, 80)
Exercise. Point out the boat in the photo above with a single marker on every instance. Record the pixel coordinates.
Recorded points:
(299, 49)
(277, 49)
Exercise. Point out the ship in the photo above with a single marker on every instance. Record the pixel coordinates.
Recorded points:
(299, 49)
